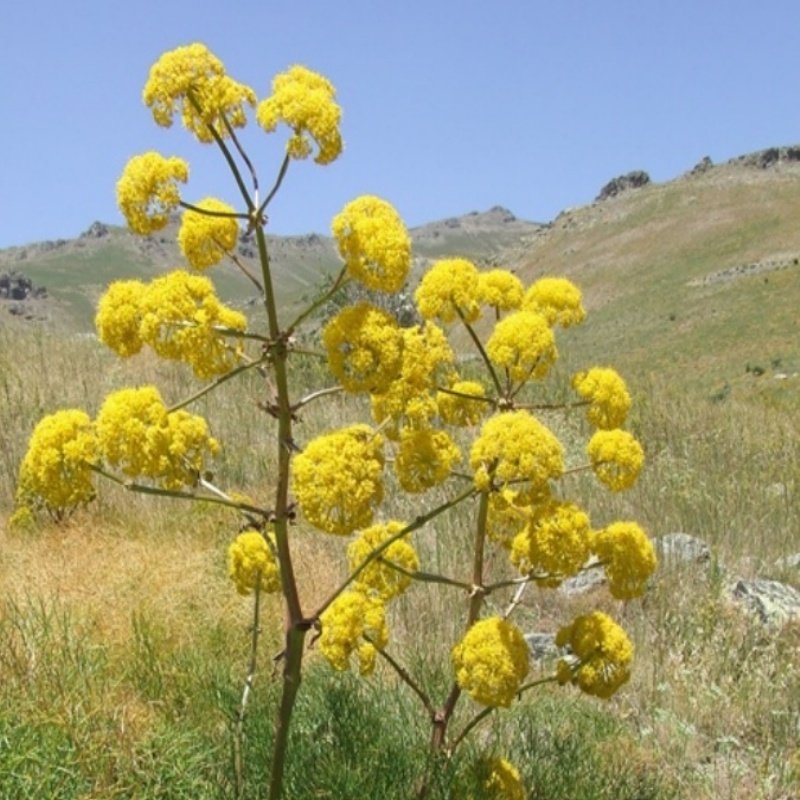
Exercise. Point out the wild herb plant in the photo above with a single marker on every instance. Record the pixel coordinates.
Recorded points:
(479, 439)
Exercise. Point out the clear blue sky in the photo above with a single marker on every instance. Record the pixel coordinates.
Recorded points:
(448, 106)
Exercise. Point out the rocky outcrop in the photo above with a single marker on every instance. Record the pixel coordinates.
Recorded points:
(771, 157)
(623, 183)
(14, 286)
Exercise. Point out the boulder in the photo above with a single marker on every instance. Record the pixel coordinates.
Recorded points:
(623, 183)
(674, 549)
(772, 602)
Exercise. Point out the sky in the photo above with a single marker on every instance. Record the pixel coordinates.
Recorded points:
(448, 107)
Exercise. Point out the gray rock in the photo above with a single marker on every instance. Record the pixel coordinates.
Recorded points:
(674, 549)
(590, 577)
(543, 647)
(789, 562)
(623, 183)
(774, 603)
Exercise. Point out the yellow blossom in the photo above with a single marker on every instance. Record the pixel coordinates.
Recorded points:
(509, 512)
(603, 652)
(500, 289)
(136, 434)
(449, 289)
(523, 343)
(491, 661)
(378, 576)
(56, 470)
(353, 623)
(250, 562)
(556, 299)
(374, 243)
(338, 479)
(119, 317)
(147, 191)
(555, 543)
(500, 780)
(304, 100)
(181, 319)
(192, 81)
(616, 458)
(365, 348)
(609, 401)
(456, 406)
(628, 556)
(204, 239)
(425, 458)
(515, 446)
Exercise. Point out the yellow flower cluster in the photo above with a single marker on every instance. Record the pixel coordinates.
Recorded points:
(138, 435)
(501, 780)
(607, 395)
(425, 458)
(179, 315)
(56, 470)
(338, 479)
(119, 317)
(378, 577)
(491, 661)
(408, 401)
(523, 343)
(616, 458)
(345, 624)
(192, 81)
(456, 406)
(557, 299)
(304, 100)
(629, 558)
(204, 239)
(365, 348)
(500, 289)
(603, 651)
(374, 243)
(515, 446)
(251, 562)
(449, 288)
(555, 543)
(147, 191)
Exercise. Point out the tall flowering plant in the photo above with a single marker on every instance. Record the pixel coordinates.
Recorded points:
(513, 469)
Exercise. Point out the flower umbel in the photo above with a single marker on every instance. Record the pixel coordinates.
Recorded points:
(629, 558)
(345, 623)
(378, 576)
(491, 661)
(251, 562)
(557, 299)
(204, 239)
(373, 241)
(609, 401)
(616, 458)
(449, 289)
(147, 191)
(304, 100)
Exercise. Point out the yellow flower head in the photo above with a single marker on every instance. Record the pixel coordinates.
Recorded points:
(204, 239)
(345, 624)
(250, 562)
(491, 661)
(616, 458)
(557, 300)
(56, 470)
(192, 81)
(365, 348)
(147, 191)
(119, 317)
(181, 319)
(523, 343)
(304, 100)
(378, 576)
(374, 243)
(607, 395)
(456, 406)
(500, 780)
(555, 543)
(629, 558)
(500, 289)
(449, 289)
(137, 435)
(603, 651)
(515, 446)
(338, 479)
(425, 458)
